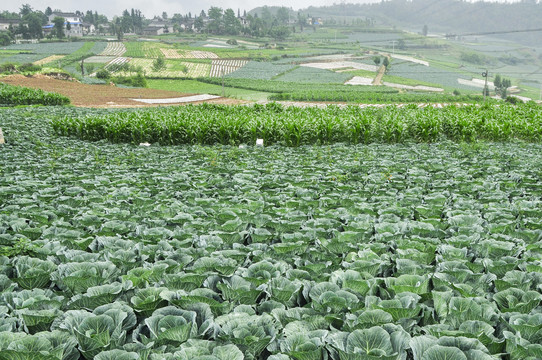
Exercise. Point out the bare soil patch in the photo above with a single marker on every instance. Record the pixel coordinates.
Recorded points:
(102, 96)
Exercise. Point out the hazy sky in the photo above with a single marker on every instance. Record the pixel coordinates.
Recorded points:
(155, 7)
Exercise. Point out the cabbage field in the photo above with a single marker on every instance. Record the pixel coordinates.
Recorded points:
(333, 252)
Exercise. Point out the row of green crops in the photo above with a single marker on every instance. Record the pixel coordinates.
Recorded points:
(16, 95)
(390, 252)
(293, 87)
(376, 97)
(219, 124)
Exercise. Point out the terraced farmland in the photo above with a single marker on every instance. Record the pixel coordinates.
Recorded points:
(225, 67)
(173, 69)
(113, 48)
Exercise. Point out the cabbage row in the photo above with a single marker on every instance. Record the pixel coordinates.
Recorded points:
(340, 252)
(233, 125)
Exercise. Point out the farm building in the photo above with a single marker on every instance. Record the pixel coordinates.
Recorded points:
(6, 23)
(75, 21)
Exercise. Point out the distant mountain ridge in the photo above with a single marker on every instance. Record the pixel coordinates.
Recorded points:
(448, 16)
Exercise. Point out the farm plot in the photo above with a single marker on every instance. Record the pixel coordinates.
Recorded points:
(225, 67)
(478, 83)
(305, 74)
(419, 252)
(100, 59)
(113, 48)
(410, 59)
(434, 75)
(413, 88)
(117, 62)
(144, 49)
(49, 59)
(173, 69)
(257, 70)
(64, 48)
(196, 54)
(333, 65)
(358, 80)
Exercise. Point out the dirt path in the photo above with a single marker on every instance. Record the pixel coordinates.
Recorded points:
(102, 96)
(379, 76)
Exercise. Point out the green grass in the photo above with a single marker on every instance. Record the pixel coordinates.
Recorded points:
(197, 87)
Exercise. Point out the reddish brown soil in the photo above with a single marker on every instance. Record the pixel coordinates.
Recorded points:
(100, 96)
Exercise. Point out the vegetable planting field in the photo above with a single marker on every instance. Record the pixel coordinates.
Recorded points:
(173, 68)
(341, 252)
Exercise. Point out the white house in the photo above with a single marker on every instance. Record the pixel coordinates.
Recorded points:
(5, 23)
(75, 21)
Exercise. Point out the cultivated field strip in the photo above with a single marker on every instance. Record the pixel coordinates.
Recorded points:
(99, 59)
(114, 48)
(193, 70)
(188, 54)
(331, 65)
(319, 252)
(179, 100)
(49, 59)
(360, 80)
(414, 88)
(118, 61)
(225, 67)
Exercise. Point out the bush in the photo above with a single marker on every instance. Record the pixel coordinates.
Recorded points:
(103, 74)
(29, 67)
(135, 81)
(513, 100)
(231, 42)
(7, 68)
(456, 92)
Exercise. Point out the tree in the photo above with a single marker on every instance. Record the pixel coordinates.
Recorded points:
(215, 14)
(376, 60)
(48, 11)
(164, 15)
(25, 10)
(301, 21)
(58, 27)
(116, 29)
(198, 24)
(5, 38)
(425, 30)
(501, 86)
(280, 32)
(283, 15)
(34, 22)
(386, 63)
(159, 63)
(232, 24)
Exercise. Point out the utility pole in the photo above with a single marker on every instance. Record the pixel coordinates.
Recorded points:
(223, 91)
(484, 74)
(393, 45)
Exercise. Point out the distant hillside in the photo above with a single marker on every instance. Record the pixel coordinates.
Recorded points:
(272, 9)
(449, 16)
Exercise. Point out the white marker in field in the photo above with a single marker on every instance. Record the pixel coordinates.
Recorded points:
(144, 144)
(259, 142)
(241, 146)
(2, 141)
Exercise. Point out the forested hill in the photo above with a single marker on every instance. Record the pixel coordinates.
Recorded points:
(452, 16)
